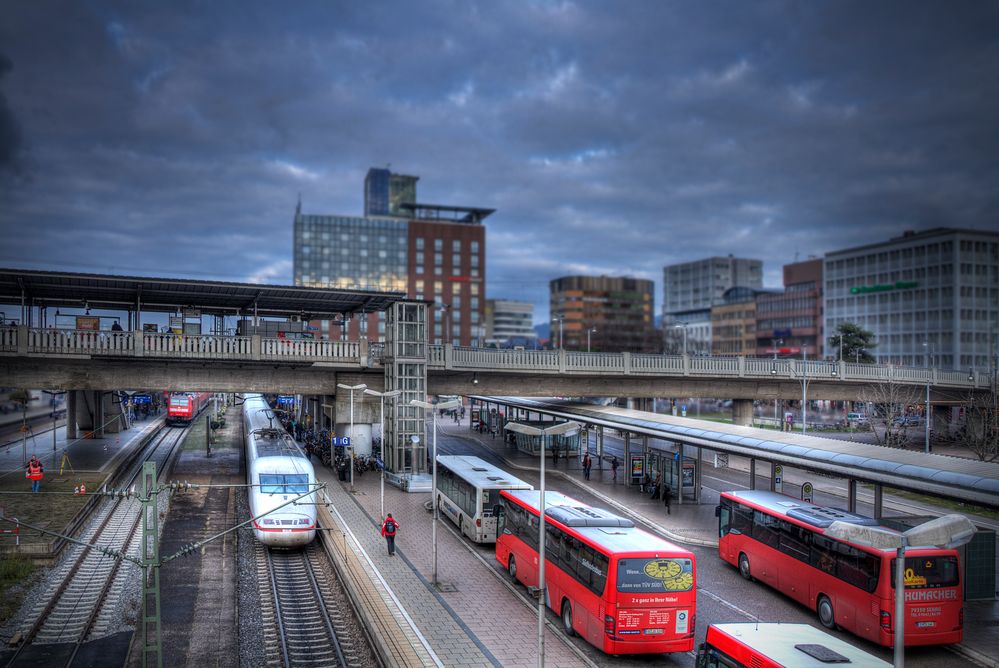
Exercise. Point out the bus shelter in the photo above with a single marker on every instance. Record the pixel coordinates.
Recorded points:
(567, 445)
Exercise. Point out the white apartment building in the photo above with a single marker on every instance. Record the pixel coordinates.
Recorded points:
(929, 297)
(509, 322)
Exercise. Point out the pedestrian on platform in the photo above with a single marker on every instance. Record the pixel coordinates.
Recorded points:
(667, 493)
(389, 529)
(554, 455)
(586, 466)
(614, 467)
(656, 486)
(34, 473)
(115, 327)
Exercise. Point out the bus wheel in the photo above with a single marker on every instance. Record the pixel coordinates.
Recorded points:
(744, 567)
(826, 615)
(511, 568)
(567, 619)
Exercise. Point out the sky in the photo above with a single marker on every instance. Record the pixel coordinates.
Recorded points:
(174, 139)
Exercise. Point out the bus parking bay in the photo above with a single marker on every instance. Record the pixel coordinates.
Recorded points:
(723, 596)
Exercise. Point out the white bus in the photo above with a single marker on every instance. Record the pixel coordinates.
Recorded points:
(468, 492)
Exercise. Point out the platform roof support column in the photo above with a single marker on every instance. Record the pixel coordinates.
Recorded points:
(679, 475)
(752, 473)
(773, 476)
(98, 414)
(878, 500)
(698, 463)
(600, 447)
(627, 457)
(851, 495)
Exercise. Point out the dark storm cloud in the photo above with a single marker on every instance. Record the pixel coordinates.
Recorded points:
(174, 138)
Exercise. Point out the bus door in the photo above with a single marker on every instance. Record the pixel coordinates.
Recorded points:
(490, 524)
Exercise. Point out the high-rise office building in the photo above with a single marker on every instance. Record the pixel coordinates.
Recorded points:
(509, 323)
(929, 297)
(612, 314)
(429, 251)
(386, 193)
(690, 289)
(790, 322)
(733, 322)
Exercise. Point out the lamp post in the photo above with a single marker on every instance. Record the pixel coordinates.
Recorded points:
(683, 326)
(561, 338)
(926, 412)
(391, 394)
(350, 462)
(804, 389)
(564, 428)
(773, 372)
(949, 531)
(433, 408)
(592, 330)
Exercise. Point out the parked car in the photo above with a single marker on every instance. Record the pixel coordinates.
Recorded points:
(907, 421)
(857, 418)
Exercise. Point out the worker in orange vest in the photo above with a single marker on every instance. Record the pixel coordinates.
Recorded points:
(34, 473)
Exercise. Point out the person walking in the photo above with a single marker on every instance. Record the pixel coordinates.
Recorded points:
(614, 467)
(587, 464)
(667, 493)
(35, 472)
(389, 529)
(554, 455)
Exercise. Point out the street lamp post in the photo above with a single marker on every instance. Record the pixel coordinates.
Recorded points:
(949, 531)
(350, 461)
(804, 389)
(926, 412)
(773, 371)
(564, 428)
(683, 326)
(433, 408)
(561, 336)
(592, 330)
(391, 394)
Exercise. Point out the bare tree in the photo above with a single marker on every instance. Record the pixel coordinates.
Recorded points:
(980, 431)
(890, 421)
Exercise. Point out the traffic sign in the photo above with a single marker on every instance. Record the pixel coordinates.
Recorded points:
(806, 492)
(779, 479)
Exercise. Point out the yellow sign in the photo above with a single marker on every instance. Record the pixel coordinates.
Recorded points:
(913, 580)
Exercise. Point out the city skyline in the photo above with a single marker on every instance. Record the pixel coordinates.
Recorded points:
(611, 139)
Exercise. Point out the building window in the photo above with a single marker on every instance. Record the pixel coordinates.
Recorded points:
(438, 270)
(456, 245)
(475, 247)
(456, 260)
(438, 244)
(419, 269)
(419, 257)
(419, 243)
(475, 261)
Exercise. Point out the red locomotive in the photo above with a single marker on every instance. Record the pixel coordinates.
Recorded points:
(183, 407)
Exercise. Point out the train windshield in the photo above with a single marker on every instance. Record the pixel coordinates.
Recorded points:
(277, 483)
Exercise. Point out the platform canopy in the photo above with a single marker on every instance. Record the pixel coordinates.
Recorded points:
(55, 289)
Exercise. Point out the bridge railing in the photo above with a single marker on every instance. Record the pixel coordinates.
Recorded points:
(198, 347)
(72, 341)
(294, 349)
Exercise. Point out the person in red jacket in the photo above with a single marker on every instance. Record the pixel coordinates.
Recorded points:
(389, 529)
(35, 473)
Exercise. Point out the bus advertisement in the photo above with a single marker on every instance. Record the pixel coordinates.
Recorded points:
(781, 542)
(621, 589)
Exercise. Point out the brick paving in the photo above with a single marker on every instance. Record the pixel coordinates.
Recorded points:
(479, 623)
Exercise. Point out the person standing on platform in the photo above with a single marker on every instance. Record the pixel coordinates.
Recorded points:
(587, 464)
(614, 467)
(35, 473)
(667, 493)
(554, 455)
(389, 529)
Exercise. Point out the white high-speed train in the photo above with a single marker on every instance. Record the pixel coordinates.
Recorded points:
(279, 471)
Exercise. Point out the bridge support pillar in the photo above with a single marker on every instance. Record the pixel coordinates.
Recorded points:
(627, 458)
(878, 501)
(851, 495)
(679, 479)
(98, 414)
(752, 473)
(742, 412)
(71, 399)
(698, 463)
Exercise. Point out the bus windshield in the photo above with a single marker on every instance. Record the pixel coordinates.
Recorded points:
(928, 572)
(642, 576)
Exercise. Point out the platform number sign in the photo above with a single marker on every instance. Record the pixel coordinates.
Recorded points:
(779, 479)
(341, 440)
(806, 492)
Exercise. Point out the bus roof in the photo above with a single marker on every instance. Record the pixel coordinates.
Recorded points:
(781, 643)
(600, 527)
(809, 513)
(481, 473)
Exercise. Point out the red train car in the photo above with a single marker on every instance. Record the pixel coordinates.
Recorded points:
(183, 407)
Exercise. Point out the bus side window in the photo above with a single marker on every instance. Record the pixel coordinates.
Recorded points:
(500, 514)
(724, 519)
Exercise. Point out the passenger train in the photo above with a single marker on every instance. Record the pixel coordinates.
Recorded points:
(183, 407)
(277, 471)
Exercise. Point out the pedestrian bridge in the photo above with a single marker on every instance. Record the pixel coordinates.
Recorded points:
(450, 369)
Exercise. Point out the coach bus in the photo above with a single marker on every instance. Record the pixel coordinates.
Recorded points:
(622, 589)
(468, 492)
(780, 541)
(754, 645)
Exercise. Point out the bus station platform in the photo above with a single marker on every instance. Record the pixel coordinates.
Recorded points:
(695, 524)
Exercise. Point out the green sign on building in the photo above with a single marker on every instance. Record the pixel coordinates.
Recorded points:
(886, 287)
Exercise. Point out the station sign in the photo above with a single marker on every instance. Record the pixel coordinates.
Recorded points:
(341, 440)
(779, 479)
(806, 492)
(285, 399)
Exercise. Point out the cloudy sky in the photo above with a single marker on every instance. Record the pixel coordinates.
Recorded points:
(174, 138)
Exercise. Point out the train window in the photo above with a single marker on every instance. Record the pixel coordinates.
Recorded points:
(273, 483)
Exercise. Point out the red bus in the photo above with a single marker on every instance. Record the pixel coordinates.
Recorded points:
(753, 645)
(183, 407)
(780, 541)
(622, 589)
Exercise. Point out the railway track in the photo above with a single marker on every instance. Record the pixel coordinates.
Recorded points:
(306, 626)
(71, 612)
